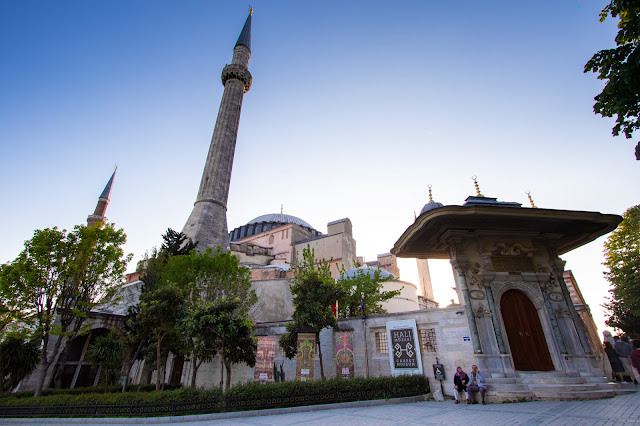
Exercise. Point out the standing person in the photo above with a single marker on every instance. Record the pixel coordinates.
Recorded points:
(624, 349)
(476, 384)
(635, 356)
(614, 360)
(460, 381)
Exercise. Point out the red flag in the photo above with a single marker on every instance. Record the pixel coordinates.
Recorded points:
(334, 309)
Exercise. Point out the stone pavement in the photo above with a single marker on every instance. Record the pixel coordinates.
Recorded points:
(622, 409)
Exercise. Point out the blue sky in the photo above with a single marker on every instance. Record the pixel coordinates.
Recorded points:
(355, 108)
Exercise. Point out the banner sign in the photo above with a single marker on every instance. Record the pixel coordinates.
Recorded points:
(344, 354)
(404, 350)
(306, 360)
(265, 355)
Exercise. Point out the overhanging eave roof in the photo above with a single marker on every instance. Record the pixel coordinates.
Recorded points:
(564, 229)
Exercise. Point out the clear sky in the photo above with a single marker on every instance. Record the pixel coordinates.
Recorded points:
(355, 108)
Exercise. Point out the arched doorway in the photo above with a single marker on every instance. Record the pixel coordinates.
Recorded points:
(529, 349)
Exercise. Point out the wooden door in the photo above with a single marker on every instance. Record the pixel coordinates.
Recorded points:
(529, 349)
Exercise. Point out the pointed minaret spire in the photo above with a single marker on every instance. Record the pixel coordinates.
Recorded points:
(98, 216)
(245, 34)
(207, 224)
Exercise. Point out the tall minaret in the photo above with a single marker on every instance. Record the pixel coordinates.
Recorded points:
(98, 216)
(207, 224)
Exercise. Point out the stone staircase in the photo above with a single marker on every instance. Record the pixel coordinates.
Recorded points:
(552, 386)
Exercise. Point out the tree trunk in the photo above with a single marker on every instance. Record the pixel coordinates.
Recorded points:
(320, 356)
(221, 371)
(194, 371)
(158, 362)
(228, 366)
(45, 364)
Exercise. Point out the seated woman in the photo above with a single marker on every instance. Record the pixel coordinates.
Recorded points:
(460, 381)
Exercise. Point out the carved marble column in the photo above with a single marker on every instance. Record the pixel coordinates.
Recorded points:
(494, 319)
(558, 269)
(458, 265)
(544, 286)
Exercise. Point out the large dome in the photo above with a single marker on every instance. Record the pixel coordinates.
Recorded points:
(267, 222)
(280, 218)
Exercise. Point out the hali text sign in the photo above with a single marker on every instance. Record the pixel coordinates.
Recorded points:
(404, 349)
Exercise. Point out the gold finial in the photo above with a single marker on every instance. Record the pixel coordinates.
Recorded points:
(250, 10)
(475, 182)
(281, 208)
(531, 200)
(430, 196)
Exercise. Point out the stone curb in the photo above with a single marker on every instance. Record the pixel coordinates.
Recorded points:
(216, 416)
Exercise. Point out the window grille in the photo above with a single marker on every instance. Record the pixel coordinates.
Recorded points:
(428, 340)
(381, 343)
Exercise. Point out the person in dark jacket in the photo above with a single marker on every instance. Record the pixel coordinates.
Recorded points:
(460, 382)
(614, 360)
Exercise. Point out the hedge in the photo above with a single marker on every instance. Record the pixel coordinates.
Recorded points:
(249, 396)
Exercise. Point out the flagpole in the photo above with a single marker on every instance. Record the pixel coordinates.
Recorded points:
(364, 329)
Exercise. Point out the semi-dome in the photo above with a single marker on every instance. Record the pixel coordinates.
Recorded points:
(280, 218)
(267, 222)
(367, 270)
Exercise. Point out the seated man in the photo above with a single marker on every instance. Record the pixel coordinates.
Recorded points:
(476, 384)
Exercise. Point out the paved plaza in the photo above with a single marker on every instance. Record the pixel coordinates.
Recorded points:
(623, 409)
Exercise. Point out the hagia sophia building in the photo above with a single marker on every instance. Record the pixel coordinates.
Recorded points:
(520, 315)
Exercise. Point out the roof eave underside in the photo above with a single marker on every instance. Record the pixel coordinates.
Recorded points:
(565, 229)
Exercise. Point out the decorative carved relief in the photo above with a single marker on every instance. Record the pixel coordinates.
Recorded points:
(473, 280)
(561, 311)
(482, 312)
(542, 268)
(556, 296)
(509, 249)
(477, 294)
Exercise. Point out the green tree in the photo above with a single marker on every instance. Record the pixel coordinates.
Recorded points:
(106, 355)
(620, 68)
(161, 312)
(314, 293)
(58, 278)
(622, 258)
(223, 326)
(18, 359)
(364, 284)
(208, 278)
(152, 267)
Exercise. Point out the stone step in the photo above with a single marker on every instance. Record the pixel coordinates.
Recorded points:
(507, 387)
(597, 379)
(568, 396)
(542, 374)
(500, 380)
(553, 380)
(616, 385)
(561, 387)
